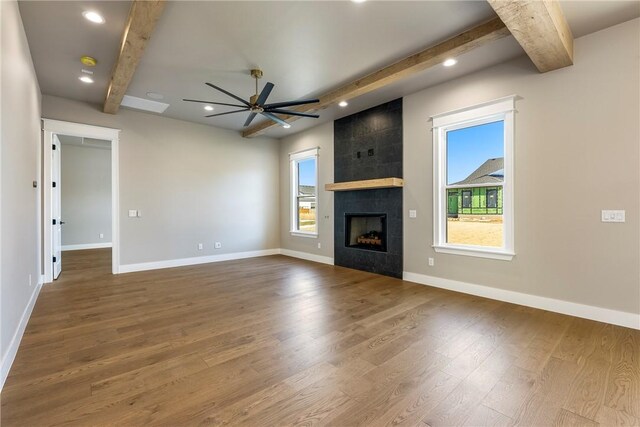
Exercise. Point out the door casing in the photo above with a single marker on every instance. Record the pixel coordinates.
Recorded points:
(52, 127)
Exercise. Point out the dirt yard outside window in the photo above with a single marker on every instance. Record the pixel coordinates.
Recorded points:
(481, 231)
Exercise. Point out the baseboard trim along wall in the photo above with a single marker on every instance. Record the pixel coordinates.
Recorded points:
(10, 355)
(307, 256)
(86, 246)
(620, 318)
(155, 265)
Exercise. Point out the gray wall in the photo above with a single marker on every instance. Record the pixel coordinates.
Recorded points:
(86, 195)
(192, 183)
(319, 136)
(576, 152)
(20, 142)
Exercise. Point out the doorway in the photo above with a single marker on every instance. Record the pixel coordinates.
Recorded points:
(90, 203)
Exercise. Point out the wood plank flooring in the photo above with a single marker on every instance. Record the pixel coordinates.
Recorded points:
(280, 341)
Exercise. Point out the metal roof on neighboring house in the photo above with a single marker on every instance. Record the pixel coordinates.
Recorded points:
(490, 172)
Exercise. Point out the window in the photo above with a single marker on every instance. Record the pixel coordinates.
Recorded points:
(466, 198)
(304, 194)
(492, 198)
(473, 160)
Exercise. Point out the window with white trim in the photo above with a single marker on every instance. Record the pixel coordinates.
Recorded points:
(304, 193)
(473, 180)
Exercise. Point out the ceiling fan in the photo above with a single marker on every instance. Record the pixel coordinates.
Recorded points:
(256, 104)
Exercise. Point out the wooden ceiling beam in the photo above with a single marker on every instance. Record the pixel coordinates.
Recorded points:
(541, 29)
(434, 55)
(143, 17)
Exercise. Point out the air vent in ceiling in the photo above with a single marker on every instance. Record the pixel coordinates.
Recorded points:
(143, 104)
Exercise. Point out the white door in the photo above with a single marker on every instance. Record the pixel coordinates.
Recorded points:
(56, 222)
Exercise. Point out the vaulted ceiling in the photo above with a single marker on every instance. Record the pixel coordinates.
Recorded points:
(304, 48)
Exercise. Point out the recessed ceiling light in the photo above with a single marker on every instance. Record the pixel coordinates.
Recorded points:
(155, 95)
(92, 16)
(86, 79)
(208, 107)
(286, 126)
(358, 1)
(343, 104)
(449, 62)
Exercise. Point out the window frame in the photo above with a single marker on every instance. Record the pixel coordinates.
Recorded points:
(502, 109)
(294, 160)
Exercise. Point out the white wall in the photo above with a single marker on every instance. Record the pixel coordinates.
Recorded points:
(576, 152)
(19, 142)
(319, 136)
(192, 184)
(86, 195)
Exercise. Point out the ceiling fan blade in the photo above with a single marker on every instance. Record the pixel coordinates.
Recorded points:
(250, 119)
(266, 90)
(275, 118)
(229, 94)
(214, 103)
(291, 113)
(291, 103)
(228, 112)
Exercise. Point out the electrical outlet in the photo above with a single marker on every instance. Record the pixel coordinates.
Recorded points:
(431, 262)
(218, 245)
(200, 246)
(413, 213)
(102, 235)
(319, 245)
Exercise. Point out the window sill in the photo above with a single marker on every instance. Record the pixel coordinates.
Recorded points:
(480, 253)
(303, 234)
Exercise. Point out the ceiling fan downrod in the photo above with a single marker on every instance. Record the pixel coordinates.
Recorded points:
(256, 73)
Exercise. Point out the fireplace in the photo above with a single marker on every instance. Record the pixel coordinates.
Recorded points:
(368, 221)
(366, 231)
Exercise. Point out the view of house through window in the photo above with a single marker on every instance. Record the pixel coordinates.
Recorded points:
(306, 204)
(304, 192)
(475, 177)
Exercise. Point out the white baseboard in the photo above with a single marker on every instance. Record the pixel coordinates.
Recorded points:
(10, 355)
(621, 318)
(154, 265)
(307, 256)
(84, 246)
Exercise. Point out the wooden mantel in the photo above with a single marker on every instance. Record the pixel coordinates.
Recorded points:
(368, 184)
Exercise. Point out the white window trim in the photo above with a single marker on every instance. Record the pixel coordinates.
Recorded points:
(499, 109)
(293, 159)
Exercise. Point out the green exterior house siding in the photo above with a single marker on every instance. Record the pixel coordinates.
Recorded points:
(473, 201)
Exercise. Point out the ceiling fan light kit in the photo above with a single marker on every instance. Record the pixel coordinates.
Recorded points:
(257, 104)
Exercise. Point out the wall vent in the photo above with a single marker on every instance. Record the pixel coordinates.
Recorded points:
(143, 104)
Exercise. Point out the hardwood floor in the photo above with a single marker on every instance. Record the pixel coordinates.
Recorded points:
(280, 341)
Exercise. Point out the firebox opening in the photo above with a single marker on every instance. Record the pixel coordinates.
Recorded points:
(366, 231)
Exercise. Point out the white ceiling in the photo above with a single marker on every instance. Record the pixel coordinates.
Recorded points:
(304, 48)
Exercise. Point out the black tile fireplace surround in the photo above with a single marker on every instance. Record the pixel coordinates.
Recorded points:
(368, 145)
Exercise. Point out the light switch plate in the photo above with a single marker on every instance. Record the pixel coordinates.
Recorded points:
(133, 213)
(413, 213)
(613, 216)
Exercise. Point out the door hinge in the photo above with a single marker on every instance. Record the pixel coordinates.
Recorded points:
(53, 147)
(55, 259)
(53, 184)
(54, 222)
